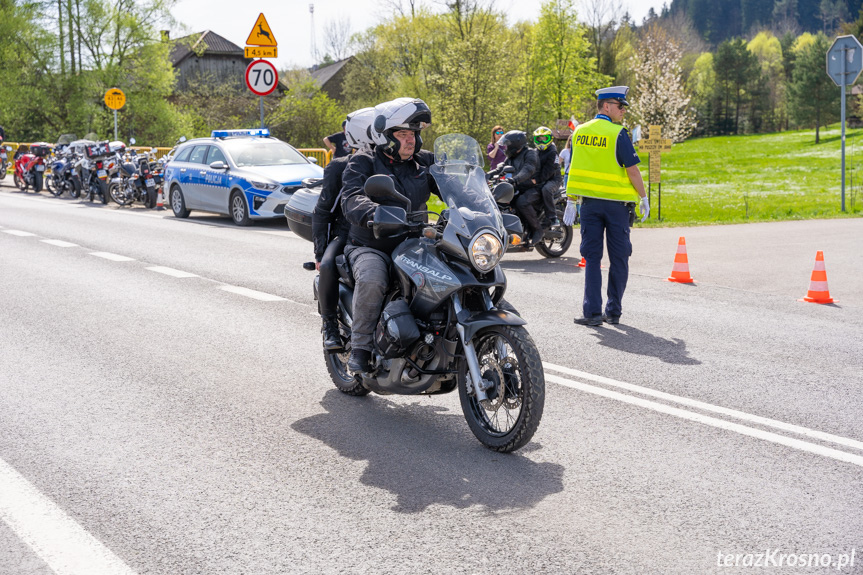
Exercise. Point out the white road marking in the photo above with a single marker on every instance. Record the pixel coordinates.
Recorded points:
(748, 417)
(60, 243)
(172, 272)
(112, 257)
(54, 536)
(258, 295)
(18, 233)
(711, 421)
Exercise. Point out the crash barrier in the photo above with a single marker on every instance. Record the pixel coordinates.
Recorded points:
(323, 156)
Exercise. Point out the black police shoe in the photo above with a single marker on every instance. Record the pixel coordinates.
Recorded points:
(360, 361)
(594, 321)
(332, 337)
(612, 319)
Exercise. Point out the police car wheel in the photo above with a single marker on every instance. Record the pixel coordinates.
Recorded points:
(239, 212)
(178, 204)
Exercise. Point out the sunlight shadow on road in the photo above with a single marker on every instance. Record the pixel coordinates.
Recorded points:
(631, 340)
(426, 455)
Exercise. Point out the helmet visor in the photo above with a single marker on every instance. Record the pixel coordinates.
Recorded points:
(542, 139)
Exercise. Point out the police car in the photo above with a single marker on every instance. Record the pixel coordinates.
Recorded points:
(242, 173)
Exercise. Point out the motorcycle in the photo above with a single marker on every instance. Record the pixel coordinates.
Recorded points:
(557, 239)
(62, 178)
(91, 169)
(444, 323)
(30, 166)
(135, 181)
(4, 160)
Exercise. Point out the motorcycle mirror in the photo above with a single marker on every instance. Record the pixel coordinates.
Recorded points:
(508, 170)
(132, 141)
(218, 165)
(380, 187)
(389, 221)
(503, 193)
(312, 159)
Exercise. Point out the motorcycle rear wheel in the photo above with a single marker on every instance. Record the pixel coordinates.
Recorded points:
(50, 185)
(3, 167)
(37, 182)
(509, 417)
(551, 248)
(345, 381)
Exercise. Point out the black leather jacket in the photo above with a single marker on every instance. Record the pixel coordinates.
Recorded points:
(327, 219)
(411, 177)
(526, 163)
(548, 175)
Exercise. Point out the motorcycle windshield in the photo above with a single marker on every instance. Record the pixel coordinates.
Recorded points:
(458, 172)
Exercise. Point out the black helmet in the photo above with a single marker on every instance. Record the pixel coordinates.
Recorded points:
(512, 142)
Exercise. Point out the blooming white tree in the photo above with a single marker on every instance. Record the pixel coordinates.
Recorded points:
(658, 96)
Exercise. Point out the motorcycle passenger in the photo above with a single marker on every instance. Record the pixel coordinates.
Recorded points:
(330, 228)
(396, 131)
(549, 178)
(526, 162)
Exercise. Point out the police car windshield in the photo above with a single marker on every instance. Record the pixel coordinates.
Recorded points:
(262, 153)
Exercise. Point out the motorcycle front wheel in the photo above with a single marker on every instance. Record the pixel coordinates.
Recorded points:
(118, 194)
(20, 183)
(3, 167)
(508, 358)
(52, 186)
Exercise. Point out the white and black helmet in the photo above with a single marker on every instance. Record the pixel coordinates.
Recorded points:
(358, 127)
(399, 114)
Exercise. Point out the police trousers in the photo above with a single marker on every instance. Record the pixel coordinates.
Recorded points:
(612, 220)
(371, 271)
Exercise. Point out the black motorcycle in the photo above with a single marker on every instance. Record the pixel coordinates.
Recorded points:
(135, 181)
(92, 172)
(62, 178)
(444, 322)
(557, 239)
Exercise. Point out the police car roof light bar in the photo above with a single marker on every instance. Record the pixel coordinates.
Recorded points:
(259, 132)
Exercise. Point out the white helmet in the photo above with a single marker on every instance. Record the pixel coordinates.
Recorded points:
(357, 127)
(399, 114)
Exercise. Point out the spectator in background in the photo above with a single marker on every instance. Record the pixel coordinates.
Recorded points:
(338, 144)
(496, 156)
(565, 158)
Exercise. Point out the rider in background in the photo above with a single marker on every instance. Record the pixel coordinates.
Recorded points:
(549, 178)
(526, 163)
(330, 229)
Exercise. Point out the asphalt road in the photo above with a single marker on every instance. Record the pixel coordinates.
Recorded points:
(170, 420)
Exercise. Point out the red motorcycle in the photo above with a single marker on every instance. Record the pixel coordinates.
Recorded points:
(30, 166)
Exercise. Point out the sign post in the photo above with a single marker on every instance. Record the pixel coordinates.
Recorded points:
(115, 99)
(654, 145)
(844, 64)
(261, 43)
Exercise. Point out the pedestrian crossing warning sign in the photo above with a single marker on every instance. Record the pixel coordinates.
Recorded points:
(261, 34)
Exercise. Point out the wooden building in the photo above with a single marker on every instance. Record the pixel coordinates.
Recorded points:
(331, 78)
(207, 58)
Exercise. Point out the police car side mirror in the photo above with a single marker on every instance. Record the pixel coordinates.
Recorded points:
(312, 159)
(218, 165)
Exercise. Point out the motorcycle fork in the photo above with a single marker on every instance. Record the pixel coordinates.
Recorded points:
(478, 385)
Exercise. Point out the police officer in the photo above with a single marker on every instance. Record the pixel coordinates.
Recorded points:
(396, 133)
(526, 163)
(604, 173)
(330, 229)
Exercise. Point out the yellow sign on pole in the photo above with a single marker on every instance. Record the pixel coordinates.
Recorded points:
(654, 169)
(261, 52)
(261, 34)
(115, 98)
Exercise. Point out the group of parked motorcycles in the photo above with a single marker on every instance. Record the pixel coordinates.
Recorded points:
(87, 169)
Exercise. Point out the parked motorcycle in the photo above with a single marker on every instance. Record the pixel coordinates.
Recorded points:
(4, 160)
(557, 239)
(92, 171)
(444, 323)
(30, 166)
(62, 178)
(135, 181)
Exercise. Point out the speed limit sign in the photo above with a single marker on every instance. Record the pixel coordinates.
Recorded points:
(261, 77)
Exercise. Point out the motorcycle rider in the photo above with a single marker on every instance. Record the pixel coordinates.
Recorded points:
(330, 228)
(396, 131)
(526, 163)
(549, 178)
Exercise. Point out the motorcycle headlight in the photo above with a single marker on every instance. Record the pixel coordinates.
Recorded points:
(265, 186)
(485, 252)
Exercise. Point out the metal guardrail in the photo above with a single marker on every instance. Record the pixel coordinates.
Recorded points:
(322, 155)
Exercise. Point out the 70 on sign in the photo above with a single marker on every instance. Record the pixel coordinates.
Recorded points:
(261, 77)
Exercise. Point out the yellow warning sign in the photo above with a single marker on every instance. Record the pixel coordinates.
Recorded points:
(261, 34)
(115, 98)
(261, 52)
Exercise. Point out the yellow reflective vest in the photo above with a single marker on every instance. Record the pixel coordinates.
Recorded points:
(593, 170)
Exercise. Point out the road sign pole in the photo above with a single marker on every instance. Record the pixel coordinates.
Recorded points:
(115, 137)
(262, 113)
(842, 87)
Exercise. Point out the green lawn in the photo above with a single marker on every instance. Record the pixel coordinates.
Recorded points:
(784, 176)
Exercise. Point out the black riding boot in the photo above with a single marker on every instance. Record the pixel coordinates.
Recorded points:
(332, 338)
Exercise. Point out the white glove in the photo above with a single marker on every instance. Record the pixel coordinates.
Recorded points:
(569, 213)
(645, 208)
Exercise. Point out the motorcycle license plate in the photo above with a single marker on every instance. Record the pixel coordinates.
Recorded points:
(151, 183)
(102, 173)
(40, 168)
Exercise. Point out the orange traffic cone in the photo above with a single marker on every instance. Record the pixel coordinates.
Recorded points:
(582, 263)
(818, 292)
(680, 271)
(160, 201)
